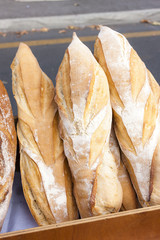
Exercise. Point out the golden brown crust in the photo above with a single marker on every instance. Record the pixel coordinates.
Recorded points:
(41, 148)
(138, 74)
(130, 200)
(150, 117)
(64, 83)
(154, 86)
(122, 134)
(71, 205)
(98, 53)
(8, 146)
(35, 198)
(104, 199)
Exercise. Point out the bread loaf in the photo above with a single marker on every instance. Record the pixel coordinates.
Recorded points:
(45, 174)
(135, 102)
(82, 95)
(130, 200)
(8, 146)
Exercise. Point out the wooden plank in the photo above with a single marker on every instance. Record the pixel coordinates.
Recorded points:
(136, 224)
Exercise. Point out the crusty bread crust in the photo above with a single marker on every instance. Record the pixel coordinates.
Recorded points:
(135, 102)
(8, 147)
(45, 176)
(82, 95)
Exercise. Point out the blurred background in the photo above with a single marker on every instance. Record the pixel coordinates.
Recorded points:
(47, 27)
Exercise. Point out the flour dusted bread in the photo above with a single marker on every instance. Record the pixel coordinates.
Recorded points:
(135, 102)
(82, 95)
(130, 200)
(45, 174)
(8, 144)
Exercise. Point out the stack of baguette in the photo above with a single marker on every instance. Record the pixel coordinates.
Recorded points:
(83, 99)
(75, 155)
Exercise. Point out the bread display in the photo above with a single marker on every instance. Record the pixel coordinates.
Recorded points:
(8, 144)
(130, 200)
(82, 96)
(135, 101)
(45, 174)
(88, 146)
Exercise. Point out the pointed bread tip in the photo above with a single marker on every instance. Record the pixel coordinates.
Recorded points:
(107, 29)
(22, 44)
(74, 35)
(100, 26)
(75, 39)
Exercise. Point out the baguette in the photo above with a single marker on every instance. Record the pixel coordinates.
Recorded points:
(8, 146)
(82, 96)
(135, 101)
(46, 179)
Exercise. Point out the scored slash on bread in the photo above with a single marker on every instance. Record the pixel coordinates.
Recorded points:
(82, 96)
(135, 102)
(45, 174)
(8, 147)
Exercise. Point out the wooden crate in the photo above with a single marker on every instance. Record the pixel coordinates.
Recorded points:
(143, 223)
